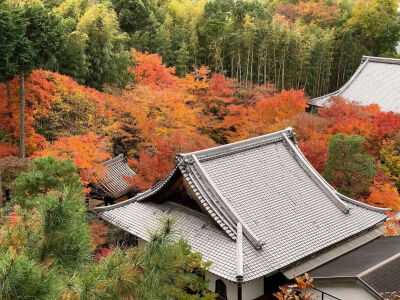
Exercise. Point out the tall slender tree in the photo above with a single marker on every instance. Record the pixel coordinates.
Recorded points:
(38, 38)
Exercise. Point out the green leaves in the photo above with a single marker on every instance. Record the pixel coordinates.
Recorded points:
(22, 278)
(45, 174)
(96, 51)
(31, 36)
(350, 171)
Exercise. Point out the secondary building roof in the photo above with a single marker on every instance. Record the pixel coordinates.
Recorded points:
(286, 210)
(376, 265)
(377, 80)
(114, 183)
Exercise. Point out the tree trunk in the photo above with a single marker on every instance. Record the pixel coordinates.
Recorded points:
(22, 115)
(8, 92)
(1, 193)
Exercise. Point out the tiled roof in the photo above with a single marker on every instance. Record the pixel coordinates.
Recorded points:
(377, 80)
(287, 210)
(114, 183)
(376, 264)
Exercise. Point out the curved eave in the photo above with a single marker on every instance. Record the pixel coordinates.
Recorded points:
(157, 189)
(322, 100)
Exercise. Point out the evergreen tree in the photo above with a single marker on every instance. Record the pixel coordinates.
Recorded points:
(38, 37)
(22, 278)
(45, 174)
(182, 59)
(349, 170)
(45, 249)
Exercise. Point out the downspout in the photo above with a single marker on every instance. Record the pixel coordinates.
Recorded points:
(239, 260)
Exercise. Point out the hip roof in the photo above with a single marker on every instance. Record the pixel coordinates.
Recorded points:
(287, 211)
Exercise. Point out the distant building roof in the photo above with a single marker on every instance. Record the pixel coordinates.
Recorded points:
(288, 212)
(114, 183)
(376, 264)
(377, 80)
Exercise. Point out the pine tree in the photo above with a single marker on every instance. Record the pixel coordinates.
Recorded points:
(349, 170)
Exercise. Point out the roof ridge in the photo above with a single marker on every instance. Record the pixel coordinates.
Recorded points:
(232, 214)
(361, 204)
(239, 146)
(364, 62)
(316, 177)
(377, 59)
(377, 266)
(120, 157)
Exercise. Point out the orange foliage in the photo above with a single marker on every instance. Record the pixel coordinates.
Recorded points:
(383, 193)
(265, 116)
(311, 12)
(155, 162)
(151, 70)
(87, 151)
(98, 233)
(298, 291)
(39, 92)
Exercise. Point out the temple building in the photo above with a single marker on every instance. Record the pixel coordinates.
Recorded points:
(113, 186)
(257, 210)
(376, 81)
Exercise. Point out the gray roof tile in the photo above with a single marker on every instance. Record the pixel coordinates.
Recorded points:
(114, 182)
(265, 184)
(377, 80)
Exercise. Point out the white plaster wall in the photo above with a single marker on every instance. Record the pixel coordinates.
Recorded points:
(341, 290)
(231, 287)
(253, 289)
(250, 290)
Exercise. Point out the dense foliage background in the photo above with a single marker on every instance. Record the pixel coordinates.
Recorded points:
(87, 80)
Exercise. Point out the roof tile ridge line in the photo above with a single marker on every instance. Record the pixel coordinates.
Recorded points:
(316, 177)
(108, 163)
(370, 288)
(355, 75)
(377, 266)
(377, 59)
(255, 241)
(212, 208)
(364, 60)
(240, 149)
(361, 204)
(140, 196)
(239, 252)
(245, 143)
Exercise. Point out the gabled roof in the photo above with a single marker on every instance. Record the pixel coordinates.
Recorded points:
(114, 183)
(287, 211)
(377, 80)
(376, 264)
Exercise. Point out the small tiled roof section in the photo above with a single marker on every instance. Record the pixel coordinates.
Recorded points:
(286, 210)
(376, 265)
(114, 183)
(377, 80)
